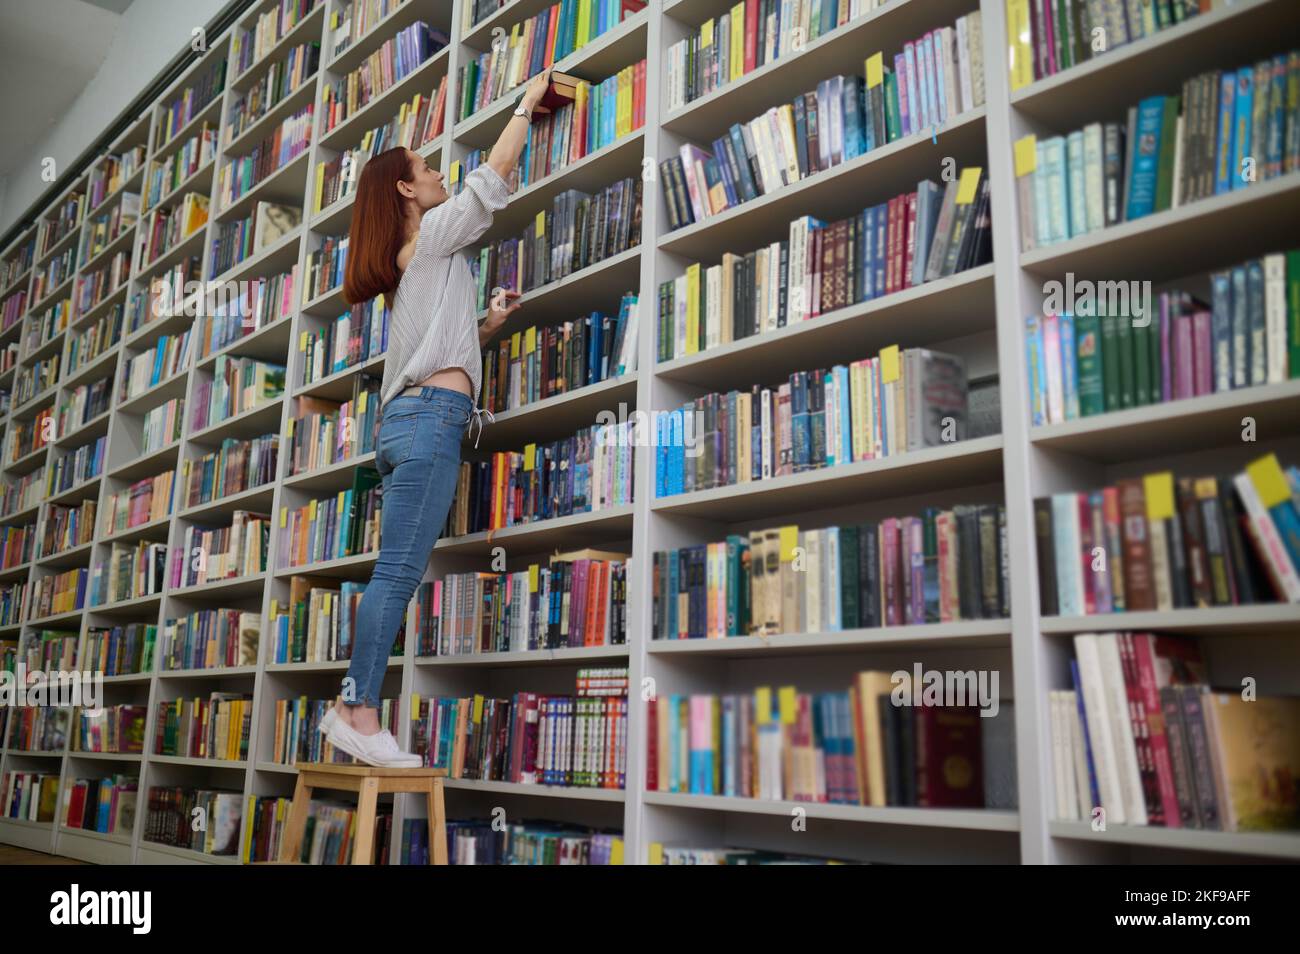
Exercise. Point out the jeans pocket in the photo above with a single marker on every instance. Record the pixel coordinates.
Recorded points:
(395, 438)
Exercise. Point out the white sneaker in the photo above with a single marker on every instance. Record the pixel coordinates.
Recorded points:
(380, 749)
(327, 721)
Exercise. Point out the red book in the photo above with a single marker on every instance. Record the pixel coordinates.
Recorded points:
(905, 280)
(549, 60)
(1149, 691)
(949, 768)
(1086, 543)
(751, 35)
(1141, 730)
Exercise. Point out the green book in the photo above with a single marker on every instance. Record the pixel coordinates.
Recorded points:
(849, 577)
(1141, 364)
(1293, 312)
(1087, 346)
(1157, 357)
(1124, 344)
(1165, 158)
(893, 122)
(1110, 362)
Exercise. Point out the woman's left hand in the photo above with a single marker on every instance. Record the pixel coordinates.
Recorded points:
(501, 306)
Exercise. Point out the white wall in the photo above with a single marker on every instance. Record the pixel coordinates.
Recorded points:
(149, 34)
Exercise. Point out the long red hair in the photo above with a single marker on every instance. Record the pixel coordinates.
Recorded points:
(377, 233)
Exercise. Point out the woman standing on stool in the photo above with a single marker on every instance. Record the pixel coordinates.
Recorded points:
(404, 243)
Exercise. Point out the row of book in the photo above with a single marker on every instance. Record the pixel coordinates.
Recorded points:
(1046, 38)
(57, 593)
(597, 116)
(161, 425)
(590, 471)
(210, 639)
(845, 117)
(258, 302)
(18, 263)
(251, 45)
(213, 728)
(1082, 365)
(354, 19)
(90, 343)
(222, 553)
(104, 229)
(85, 403)
(911, 239)
(1142, 739)
(167, 175)
(894, 403)
(143, 501)
(320, 619)
(330, 528)
(325, 267)
(105, 805)
(236, 466)
(536, 44)
(1226, 130)
(191, 101)
(414, 125)
(400, 56)
(284, 77)
(118, 729)
(170, 812)
(575, 599)
(478, 842)
(748, 35)
(30, 796)
(47, 650)
(939, 567)
(1160, 543)
(120, 650)
(67, 215)
(238, 384)
(577, 741)
(131, 571)
(349, 341)
(50, 277)
(169, 357)
(239, 239)
(66, 527)
(163, 228)
(13, 308)
(94, 287)
(291, 138)
(541, 362)
(885, 741)
(578, 230)
(322, 432)
(38, 728)
(111, 173)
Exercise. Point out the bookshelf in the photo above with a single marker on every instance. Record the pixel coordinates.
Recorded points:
(978, 313)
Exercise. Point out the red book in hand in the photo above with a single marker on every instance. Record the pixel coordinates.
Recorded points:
(563, 89)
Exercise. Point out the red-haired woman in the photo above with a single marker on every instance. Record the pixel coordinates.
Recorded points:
(405, 243)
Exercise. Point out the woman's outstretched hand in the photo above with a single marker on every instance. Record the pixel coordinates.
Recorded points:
(536, 90)
(501, 306)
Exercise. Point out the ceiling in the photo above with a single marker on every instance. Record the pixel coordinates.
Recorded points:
(49, 51)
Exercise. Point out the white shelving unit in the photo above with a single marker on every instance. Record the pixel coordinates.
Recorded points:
(978, 313)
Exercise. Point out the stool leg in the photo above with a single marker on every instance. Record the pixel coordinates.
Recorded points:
(367, 799)
(437, 823)
(291, 840)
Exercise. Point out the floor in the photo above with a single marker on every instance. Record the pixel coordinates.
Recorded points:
(10, 855)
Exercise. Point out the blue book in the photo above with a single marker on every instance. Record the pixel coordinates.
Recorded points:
(747, 185)
(1034, 358)
(1065, 537)
(1087, 743)
(868, 254)
(800, 435)
(1146, 158)
(1275, 144)
(1226, 126)
(1221, 329)
(845, 416)
(854, 143)
(882, 224)
(1240, 329)
(1241, 134)
(724, 170)
(1069, 367)
(929, 199)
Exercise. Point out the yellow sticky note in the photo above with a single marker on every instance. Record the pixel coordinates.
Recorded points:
(284, 516)
(889, 364)
(1026, 155)
(616, 852)
(530, 451)
(875, 70)
(534, 571)
(789, 540)
(302, 342)
(415, 707)
(1270, 483)
(969, 182)
(1159, 489)
(514, 344)
(311, 509)
(478, 708)
(530, 339)
(656, 853)
(361, 402)
(706, 33)
(788, 704)
(539, 225)
(763, 705)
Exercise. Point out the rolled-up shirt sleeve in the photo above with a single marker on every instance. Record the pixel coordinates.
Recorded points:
(449, 227)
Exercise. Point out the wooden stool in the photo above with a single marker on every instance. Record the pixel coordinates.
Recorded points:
(368, 781)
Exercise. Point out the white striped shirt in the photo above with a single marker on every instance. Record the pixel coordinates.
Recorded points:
(434, 321)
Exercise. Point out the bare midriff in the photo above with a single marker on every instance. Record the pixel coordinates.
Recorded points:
(454, 378)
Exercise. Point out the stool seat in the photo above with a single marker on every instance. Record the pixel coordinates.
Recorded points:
(368, 781)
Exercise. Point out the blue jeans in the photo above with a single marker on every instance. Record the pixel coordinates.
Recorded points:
(418, 459)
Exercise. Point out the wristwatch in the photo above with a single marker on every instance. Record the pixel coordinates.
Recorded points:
(519, 107)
